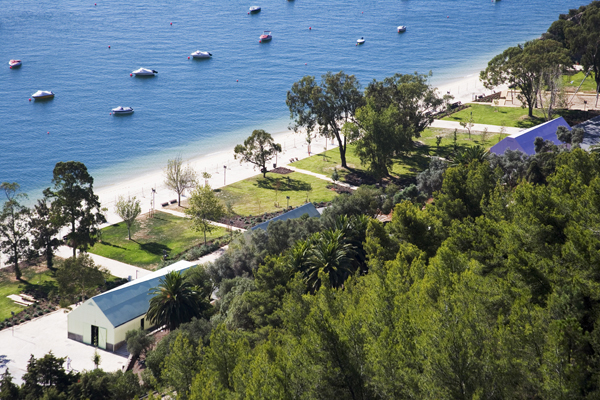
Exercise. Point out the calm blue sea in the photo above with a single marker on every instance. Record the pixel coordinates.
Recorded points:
(199, 107)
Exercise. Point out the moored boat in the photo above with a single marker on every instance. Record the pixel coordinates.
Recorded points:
(201, 54)
(360, 41)
(144, 72)
(43, 94)
(254, 9)
(122, 110)
(401, 29)
(266, 36)
(14, 63)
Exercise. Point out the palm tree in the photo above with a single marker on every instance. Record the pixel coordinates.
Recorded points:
(473, 153)
(330, 255)
(174, 302)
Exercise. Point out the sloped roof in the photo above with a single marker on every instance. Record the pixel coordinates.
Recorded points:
(523, 141)
(592, 132)
(132, 300)
(308, 208)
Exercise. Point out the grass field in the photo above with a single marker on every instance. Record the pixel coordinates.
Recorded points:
(164, 232)
(589, 85)
(500, 116)
(258, 195)
(42, 280)
(405, 166)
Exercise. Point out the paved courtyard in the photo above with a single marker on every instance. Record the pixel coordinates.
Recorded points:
(47, 333)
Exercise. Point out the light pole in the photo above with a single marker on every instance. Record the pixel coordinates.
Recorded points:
(288, 202)
(224, 173)
(13, 323)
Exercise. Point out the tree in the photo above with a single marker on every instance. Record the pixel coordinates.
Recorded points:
(583, 39)
(138, 342)
(203, 207)
(14, 226)
(572, 137)
(181, 365)
(44, 373)
(325, 107)
(74, 204)
(380, 138)
(78, 277)
(524, 66)
(174, 301)
(468, 124)
(44, 231)
(179, 178)
(257, 149)
(128, 209)
(96, 359)
(8, 390)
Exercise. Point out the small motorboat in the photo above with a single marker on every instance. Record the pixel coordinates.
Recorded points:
(122, 110)
(254, 9)
(266, 36)
(14, 63)
(144, 72)
(360, 41)
(401, 29)
(201, 54)
(43, 94)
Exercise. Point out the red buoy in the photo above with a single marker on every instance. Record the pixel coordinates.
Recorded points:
(48, 133)
(309, 28)
(447, 16)
(260, 41)
(109, 47)
(188, 57)
(10, 67)
(237, 80)
(30, 99)
(130, 74)
(171, 23)
(94, 3)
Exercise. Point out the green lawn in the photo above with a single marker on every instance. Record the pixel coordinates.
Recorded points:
(490, 115)
(405, 166)
(149, 239)
(42, 280)
(258, 195)
(589, 85)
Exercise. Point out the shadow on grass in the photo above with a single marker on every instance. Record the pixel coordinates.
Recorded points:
(286, 184)
(530, 122)
(104, 242)
(154, 248)
(42, 290)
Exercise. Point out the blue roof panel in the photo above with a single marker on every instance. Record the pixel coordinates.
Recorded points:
(523, 141)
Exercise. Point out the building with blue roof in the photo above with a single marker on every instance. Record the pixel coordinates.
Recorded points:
(308, 208)
(523, 141)
(103, 320)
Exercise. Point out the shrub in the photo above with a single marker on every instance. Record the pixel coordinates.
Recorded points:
(27, 318)
(46, 310)
(21, 321)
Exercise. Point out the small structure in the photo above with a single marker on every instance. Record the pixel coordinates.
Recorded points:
(591, 128)
(103, 320)
(308, 208)
(523, 141)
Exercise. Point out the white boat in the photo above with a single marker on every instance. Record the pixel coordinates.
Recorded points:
(254, 9)
(266, 36)
(144, 72)
(360, 41)
(43, 94)
(401, 29)
(201, 54)
(122, 110)
(14, 63)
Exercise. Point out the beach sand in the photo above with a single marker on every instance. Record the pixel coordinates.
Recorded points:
(294, 146)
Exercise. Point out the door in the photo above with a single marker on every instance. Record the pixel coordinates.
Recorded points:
(142, 323)
(94, 336)
(102, 338)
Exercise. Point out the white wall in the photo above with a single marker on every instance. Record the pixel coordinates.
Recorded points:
(81, 319)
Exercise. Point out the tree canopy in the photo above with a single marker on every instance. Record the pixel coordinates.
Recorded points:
(204, 207)
(75, 205)
(179, 177)
(258, 149)
(326, 106)
(14, 226)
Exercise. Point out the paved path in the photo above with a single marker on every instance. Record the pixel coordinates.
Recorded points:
(49, 333)
(438, 123)
(184, 215)
(320, 176)
(116, 268)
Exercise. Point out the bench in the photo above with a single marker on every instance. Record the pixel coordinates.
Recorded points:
(165, 204)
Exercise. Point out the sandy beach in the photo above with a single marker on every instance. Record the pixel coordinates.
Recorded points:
(294, 146)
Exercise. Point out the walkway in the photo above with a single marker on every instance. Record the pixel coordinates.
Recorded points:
(320, 176)
(114, 267)
(438, 123)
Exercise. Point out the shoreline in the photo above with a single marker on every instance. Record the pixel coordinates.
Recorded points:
(294, 146)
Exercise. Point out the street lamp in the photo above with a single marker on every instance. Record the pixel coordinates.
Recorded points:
(224, 173)
(288, 202)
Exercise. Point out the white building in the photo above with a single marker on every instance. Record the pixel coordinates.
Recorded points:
(104, 320)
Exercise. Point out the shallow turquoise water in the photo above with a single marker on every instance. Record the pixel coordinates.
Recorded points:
(199, 107)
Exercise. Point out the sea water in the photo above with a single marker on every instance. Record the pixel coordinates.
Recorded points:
(196, 107)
